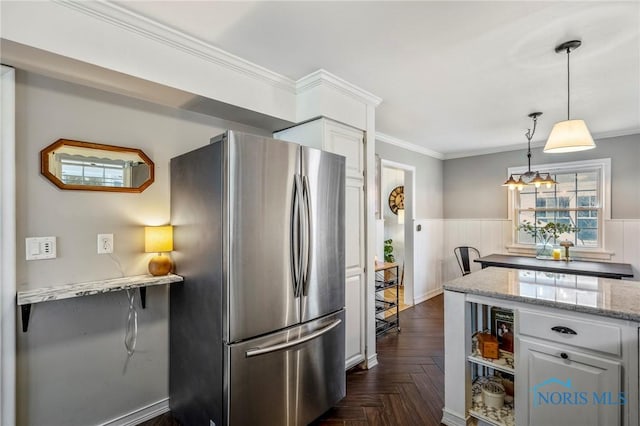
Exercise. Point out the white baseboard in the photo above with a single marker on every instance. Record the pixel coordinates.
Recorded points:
(372, 361)
(140, 415)
(428, 295)
(451, 419)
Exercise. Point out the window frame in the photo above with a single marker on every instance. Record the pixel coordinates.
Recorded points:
(603, 166)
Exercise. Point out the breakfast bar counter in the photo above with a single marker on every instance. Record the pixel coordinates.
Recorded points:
(577, 267)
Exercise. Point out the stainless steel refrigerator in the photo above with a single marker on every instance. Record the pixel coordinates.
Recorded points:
(257, 328)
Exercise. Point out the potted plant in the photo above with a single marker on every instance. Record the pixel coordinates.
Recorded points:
(388, 251)
(545, 235)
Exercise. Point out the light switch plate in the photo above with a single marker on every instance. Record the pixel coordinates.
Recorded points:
(40, 248)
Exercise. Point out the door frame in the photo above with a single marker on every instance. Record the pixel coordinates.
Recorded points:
(409, 219)
(7, 247)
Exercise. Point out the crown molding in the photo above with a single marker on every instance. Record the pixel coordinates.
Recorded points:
(408, 145)
(126, 19)
(539, 144)
(322, 77)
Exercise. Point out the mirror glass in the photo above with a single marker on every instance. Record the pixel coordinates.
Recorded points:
(96, 167)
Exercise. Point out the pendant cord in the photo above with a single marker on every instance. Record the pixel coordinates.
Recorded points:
(568, 84)
(529, 136)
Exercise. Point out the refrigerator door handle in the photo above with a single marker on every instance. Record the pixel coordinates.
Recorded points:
(296, 238)
(307, 235)
(285, 345)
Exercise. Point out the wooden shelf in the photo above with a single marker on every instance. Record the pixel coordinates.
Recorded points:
(67, 291)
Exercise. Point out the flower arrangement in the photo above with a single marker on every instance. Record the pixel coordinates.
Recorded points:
(551, 230)
(545, 234)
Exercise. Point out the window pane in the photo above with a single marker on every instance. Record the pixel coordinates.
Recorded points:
(559, 204)
(588, 180)
(523, 237)
(527, 201)
(546, 200)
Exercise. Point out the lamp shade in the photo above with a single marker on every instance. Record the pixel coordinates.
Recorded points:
(158, 239)
(569, 136)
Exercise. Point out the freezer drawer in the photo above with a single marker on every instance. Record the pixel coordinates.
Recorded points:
(286, 378)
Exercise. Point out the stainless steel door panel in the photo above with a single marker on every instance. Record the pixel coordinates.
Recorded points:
(259, 277)
(289, 377)
(321, 375)
(324, 277)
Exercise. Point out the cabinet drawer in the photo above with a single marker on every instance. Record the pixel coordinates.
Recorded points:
(590, 335)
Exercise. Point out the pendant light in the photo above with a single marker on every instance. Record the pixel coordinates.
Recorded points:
(570, 135)
(530, 177)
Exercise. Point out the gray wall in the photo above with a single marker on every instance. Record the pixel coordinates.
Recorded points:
(472, 185)
(428, 178)
(72, 363)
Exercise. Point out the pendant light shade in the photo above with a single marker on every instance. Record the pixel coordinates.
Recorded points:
(570, 135)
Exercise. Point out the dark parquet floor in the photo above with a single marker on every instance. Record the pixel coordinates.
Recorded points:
(406, 388)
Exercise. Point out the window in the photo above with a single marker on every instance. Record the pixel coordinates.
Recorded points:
(105, 173)
(580, 199)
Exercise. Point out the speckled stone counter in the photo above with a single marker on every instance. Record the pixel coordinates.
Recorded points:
(591, 295)
(67, 291)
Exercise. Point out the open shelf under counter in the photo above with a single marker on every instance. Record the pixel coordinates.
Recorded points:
(504, 416)
(67, 291)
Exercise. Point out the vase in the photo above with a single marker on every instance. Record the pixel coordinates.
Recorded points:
(544, 250)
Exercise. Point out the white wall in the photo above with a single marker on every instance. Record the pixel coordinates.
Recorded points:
(72, 366)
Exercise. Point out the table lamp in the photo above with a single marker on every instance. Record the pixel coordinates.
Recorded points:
(159, 239)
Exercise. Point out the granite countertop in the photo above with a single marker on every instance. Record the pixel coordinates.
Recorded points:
(67, 291)
(592, 295)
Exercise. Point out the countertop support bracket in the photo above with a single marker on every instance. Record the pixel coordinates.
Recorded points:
(26, 312)
(143, 297)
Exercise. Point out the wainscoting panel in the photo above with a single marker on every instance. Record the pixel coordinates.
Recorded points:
(614, 239)
(631, 253)
(487, 235)
(428, 259)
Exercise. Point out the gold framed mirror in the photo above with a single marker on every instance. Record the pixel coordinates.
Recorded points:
(88, 166)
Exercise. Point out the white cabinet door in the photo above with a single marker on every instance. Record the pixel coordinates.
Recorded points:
(349, 142)
(354, 320)
(555, 383)
(344, 140)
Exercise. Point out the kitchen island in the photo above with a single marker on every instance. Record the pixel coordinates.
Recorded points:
(568, 349)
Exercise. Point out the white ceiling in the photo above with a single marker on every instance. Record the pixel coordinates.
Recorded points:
(454, 76)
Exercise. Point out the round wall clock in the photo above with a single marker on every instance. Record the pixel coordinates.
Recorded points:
(396, 199)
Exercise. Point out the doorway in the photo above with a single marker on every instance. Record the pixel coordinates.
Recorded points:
(394, 230)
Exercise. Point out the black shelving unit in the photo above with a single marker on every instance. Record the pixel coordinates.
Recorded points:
(387, 311)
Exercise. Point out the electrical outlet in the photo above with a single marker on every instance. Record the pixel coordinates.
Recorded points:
(40, 248)
(105, 243)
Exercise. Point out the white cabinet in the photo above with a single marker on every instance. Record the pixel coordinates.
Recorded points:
(344, 140)
(568, 368)
(562, 383)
